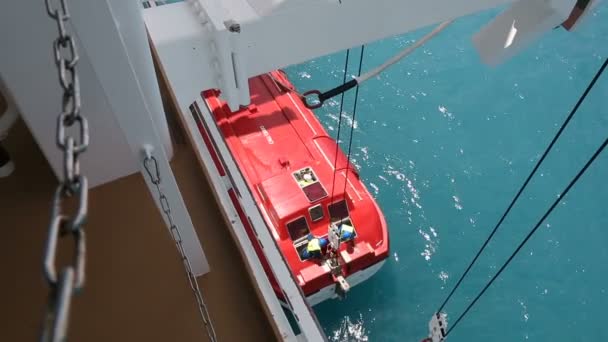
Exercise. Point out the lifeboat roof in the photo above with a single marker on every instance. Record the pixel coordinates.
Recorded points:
(287, 197)
(275, 143)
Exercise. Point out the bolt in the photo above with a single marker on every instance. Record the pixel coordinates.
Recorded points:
(232, 26)
(236, 28)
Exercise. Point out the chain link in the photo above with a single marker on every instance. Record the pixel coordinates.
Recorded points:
(73, 185)
(151, 166)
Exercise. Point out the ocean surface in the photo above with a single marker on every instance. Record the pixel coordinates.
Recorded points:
(443, 142)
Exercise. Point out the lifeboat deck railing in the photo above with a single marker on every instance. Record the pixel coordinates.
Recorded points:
(239, 209)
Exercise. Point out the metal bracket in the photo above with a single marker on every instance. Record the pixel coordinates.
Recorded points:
(334, 237)
(438, 326)
(232, 26)
(342, 286)
(147, 150)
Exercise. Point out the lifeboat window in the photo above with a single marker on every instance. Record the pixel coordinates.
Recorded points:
(338, 210)
(310, 185)
(297, 228)
(316, 213)
(314, 192)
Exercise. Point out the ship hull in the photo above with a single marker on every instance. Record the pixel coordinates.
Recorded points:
(329, 292)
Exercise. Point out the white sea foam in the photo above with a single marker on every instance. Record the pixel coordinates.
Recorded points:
(350, 331)
(375, 187)
(525, 313)
(457, 204)
(304, 74)
(430, 246)
(443, 275)
(365, 152)
(446, 113)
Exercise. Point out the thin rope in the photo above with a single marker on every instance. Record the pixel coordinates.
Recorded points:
(352, 128)
(547, 150)
(374, 72)
(322, 97)
(333, 181)
(524, 241)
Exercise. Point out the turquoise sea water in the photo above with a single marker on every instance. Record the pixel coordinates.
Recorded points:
(444, 142)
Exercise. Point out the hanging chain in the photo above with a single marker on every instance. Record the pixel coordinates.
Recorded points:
(72, 185)
(151, 167)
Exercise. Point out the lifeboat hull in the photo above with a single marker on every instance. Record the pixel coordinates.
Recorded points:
(302, 185)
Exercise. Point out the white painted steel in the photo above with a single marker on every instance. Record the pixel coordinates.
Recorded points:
(296, 33)
(306, 318)
(10, 115)
(221, 185)
(274, 34)
(113, 67)
(28, 70)
(129, 20)
(518, 26)
(240, 71)
(265, 6)
(184, 45)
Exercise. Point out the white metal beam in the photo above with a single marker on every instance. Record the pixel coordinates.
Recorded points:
(118, 90)
(194, 41)
(298, 33)
(112, 58)
(197, 43)
(28, 71)
(220, 185)
(518, 26)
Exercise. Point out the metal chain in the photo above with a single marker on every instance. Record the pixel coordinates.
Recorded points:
(151, 167)
(72, 185)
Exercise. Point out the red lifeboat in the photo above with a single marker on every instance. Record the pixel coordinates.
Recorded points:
(287, 159)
